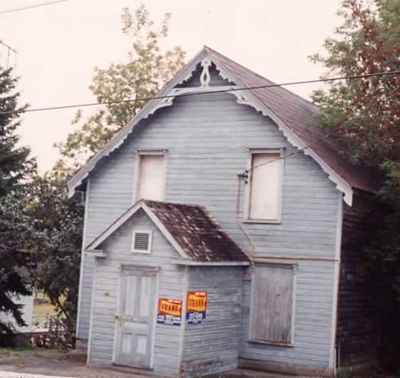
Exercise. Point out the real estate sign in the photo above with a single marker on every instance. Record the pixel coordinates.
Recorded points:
(169, 311)
(197, 302)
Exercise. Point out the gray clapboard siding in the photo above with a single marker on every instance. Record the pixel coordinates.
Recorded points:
(170, 281)
(207, 138)
(313, 315)
(213, 346)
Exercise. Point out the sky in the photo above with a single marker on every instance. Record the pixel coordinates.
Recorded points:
(58, 47)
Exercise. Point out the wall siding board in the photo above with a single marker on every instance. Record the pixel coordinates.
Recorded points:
(311, 345)
(213, 346)
(208, 140)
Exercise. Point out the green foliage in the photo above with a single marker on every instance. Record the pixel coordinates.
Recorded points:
(363, 116)
(15, 167)
(148, 67)
(55, 247)
(14, 162)
(15, 265)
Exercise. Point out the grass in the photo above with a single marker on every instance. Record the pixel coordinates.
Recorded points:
(42, 309)
(23, 352)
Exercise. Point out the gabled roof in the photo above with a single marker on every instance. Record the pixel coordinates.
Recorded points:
(296, 117)
(189, 229)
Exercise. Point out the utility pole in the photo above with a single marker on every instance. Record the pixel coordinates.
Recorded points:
(10, 51)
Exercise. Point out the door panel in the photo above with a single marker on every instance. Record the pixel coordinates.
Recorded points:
(134, 322)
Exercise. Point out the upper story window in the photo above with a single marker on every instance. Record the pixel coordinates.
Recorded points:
(151, 177)
(265, 186)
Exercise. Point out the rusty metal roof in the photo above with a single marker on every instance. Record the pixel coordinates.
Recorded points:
(195, 232)
(302, 117)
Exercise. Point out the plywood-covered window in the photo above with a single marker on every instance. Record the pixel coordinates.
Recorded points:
(264, 195)
(272, 316)
(151, 176)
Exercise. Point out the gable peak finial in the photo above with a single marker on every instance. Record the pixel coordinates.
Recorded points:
(205, 74)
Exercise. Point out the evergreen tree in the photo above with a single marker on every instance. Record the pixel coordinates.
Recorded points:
(14, 163)
(15, 168)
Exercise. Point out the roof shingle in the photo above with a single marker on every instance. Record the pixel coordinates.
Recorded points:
(198, 235)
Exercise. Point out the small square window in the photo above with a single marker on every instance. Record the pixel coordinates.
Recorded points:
(141, 242)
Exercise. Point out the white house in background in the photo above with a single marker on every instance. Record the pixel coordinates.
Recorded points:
(27, 314)
(223, 229)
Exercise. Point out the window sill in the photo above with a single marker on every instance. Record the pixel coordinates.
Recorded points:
(273, 343)
(262, 221)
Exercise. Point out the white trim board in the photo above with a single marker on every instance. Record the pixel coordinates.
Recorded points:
(84, 234)
(335, 301)
(211, 263)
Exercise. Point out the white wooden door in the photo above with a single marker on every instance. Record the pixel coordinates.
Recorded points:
(135, 319)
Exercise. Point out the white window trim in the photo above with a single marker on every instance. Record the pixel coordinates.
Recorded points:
(247, 201)
(143, 252)
(144, 152)
(251, 337)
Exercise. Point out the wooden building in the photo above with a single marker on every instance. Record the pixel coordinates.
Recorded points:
(220, 231)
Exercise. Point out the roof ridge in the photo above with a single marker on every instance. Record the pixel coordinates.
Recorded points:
(173, 203)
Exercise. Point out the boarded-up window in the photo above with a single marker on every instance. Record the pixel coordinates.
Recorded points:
(151, 178)
(273, 297)
(265, 186)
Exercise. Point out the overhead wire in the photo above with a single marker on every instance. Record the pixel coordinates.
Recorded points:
(209, 92)
(33, 6)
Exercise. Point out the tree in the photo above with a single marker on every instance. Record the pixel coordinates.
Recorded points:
(14, 162)
(148, 67)
(363, 116)
(56, 244)
(58, 226)
(15, 168)
(15, 264)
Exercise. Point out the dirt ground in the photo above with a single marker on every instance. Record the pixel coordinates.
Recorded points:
(42, 363)
(53, 363)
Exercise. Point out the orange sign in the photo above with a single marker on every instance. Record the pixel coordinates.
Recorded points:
(197, 302)
(169, 311)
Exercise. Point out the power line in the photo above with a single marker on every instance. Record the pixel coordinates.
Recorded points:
(9, 51)
(8, 47)
(7, 11)
(231, 89)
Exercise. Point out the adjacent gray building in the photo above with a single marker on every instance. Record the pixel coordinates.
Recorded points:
(223, 229)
